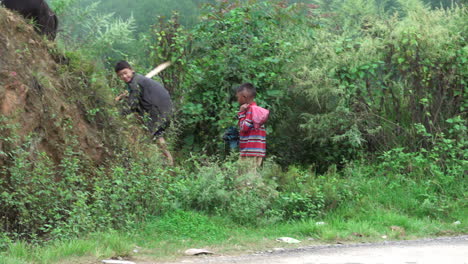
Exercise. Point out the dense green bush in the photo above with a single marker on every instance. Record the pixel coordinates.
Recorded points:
(98, 34)
(220, 189)
(339, 86)
(234, 43)
(367, 84)
(41, 200)
(345, 78)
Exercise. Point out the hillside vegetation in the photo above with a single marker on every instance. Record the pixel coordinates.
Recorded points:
(368, 126)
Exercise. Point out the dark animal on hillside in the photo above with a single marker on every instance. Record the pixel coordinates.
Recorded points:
(39, 11)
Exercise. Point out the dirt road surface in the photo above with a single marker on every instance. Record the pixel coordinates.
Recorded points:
(448, 250)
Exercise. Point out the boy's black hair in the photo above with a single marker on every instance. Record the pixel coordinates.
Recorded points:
(122, 65)
(250, 88)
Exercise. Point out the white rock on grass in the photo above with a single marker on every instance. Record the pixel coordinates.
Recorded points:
(197, 251)
(288, 240)
(113, 261)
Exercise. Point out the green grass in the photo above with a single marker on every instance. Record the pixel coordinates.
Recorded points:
(367, 202)
(168, 236)
(97, 245)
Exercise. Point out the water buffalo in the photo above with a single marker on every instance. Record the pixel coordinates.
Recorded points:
(39, 11)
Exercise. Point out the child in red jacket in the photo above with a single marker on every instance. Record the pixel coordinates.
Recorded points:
(252, 143)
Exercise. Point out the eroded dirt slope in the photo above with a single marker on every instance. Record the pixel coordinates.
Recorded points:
(35, 103)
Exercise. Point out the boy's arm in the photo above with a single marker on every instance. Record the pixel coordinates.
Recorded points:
(133, 99)
(245, 120)
(121, 96)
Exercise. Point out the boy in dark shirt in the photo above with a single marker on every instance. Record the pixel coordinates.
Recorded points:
(252, 143)
(147, 97)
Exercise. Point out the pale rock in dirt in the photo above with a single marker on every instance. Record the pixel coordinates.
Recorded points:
(113, 261)
(288, 240)
(137, 249)
(197, 251)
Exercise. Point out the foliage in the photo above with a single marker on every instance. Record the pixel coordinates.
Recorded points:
(146, 11)
(234, 43)
(219, 189)
(365, 87)
(42, 200)
(416, 184)
(345, 77)
(343, 89)
(166, 236)
(374, 107)
(438, 173)
(96, 34)
(170, 41)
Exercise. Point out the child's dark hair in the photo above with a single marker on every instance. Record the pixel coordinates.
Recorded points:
(122, 65)
(247, 87)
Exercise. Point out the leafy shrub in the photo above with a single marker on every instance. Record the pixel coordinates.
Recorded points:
(300, 206)
(364, 87)
(234, 43)
(95, 33)
(43, 200)
(426, 183)
(219, 189)
(189, 225)
(305, 194)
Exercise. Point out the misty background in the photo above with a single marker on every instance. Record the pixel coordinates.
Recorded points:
(110, 30)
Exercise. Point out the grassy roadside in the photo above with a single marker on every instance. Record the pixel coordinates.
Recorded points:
(405, 196)
(169, 236)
